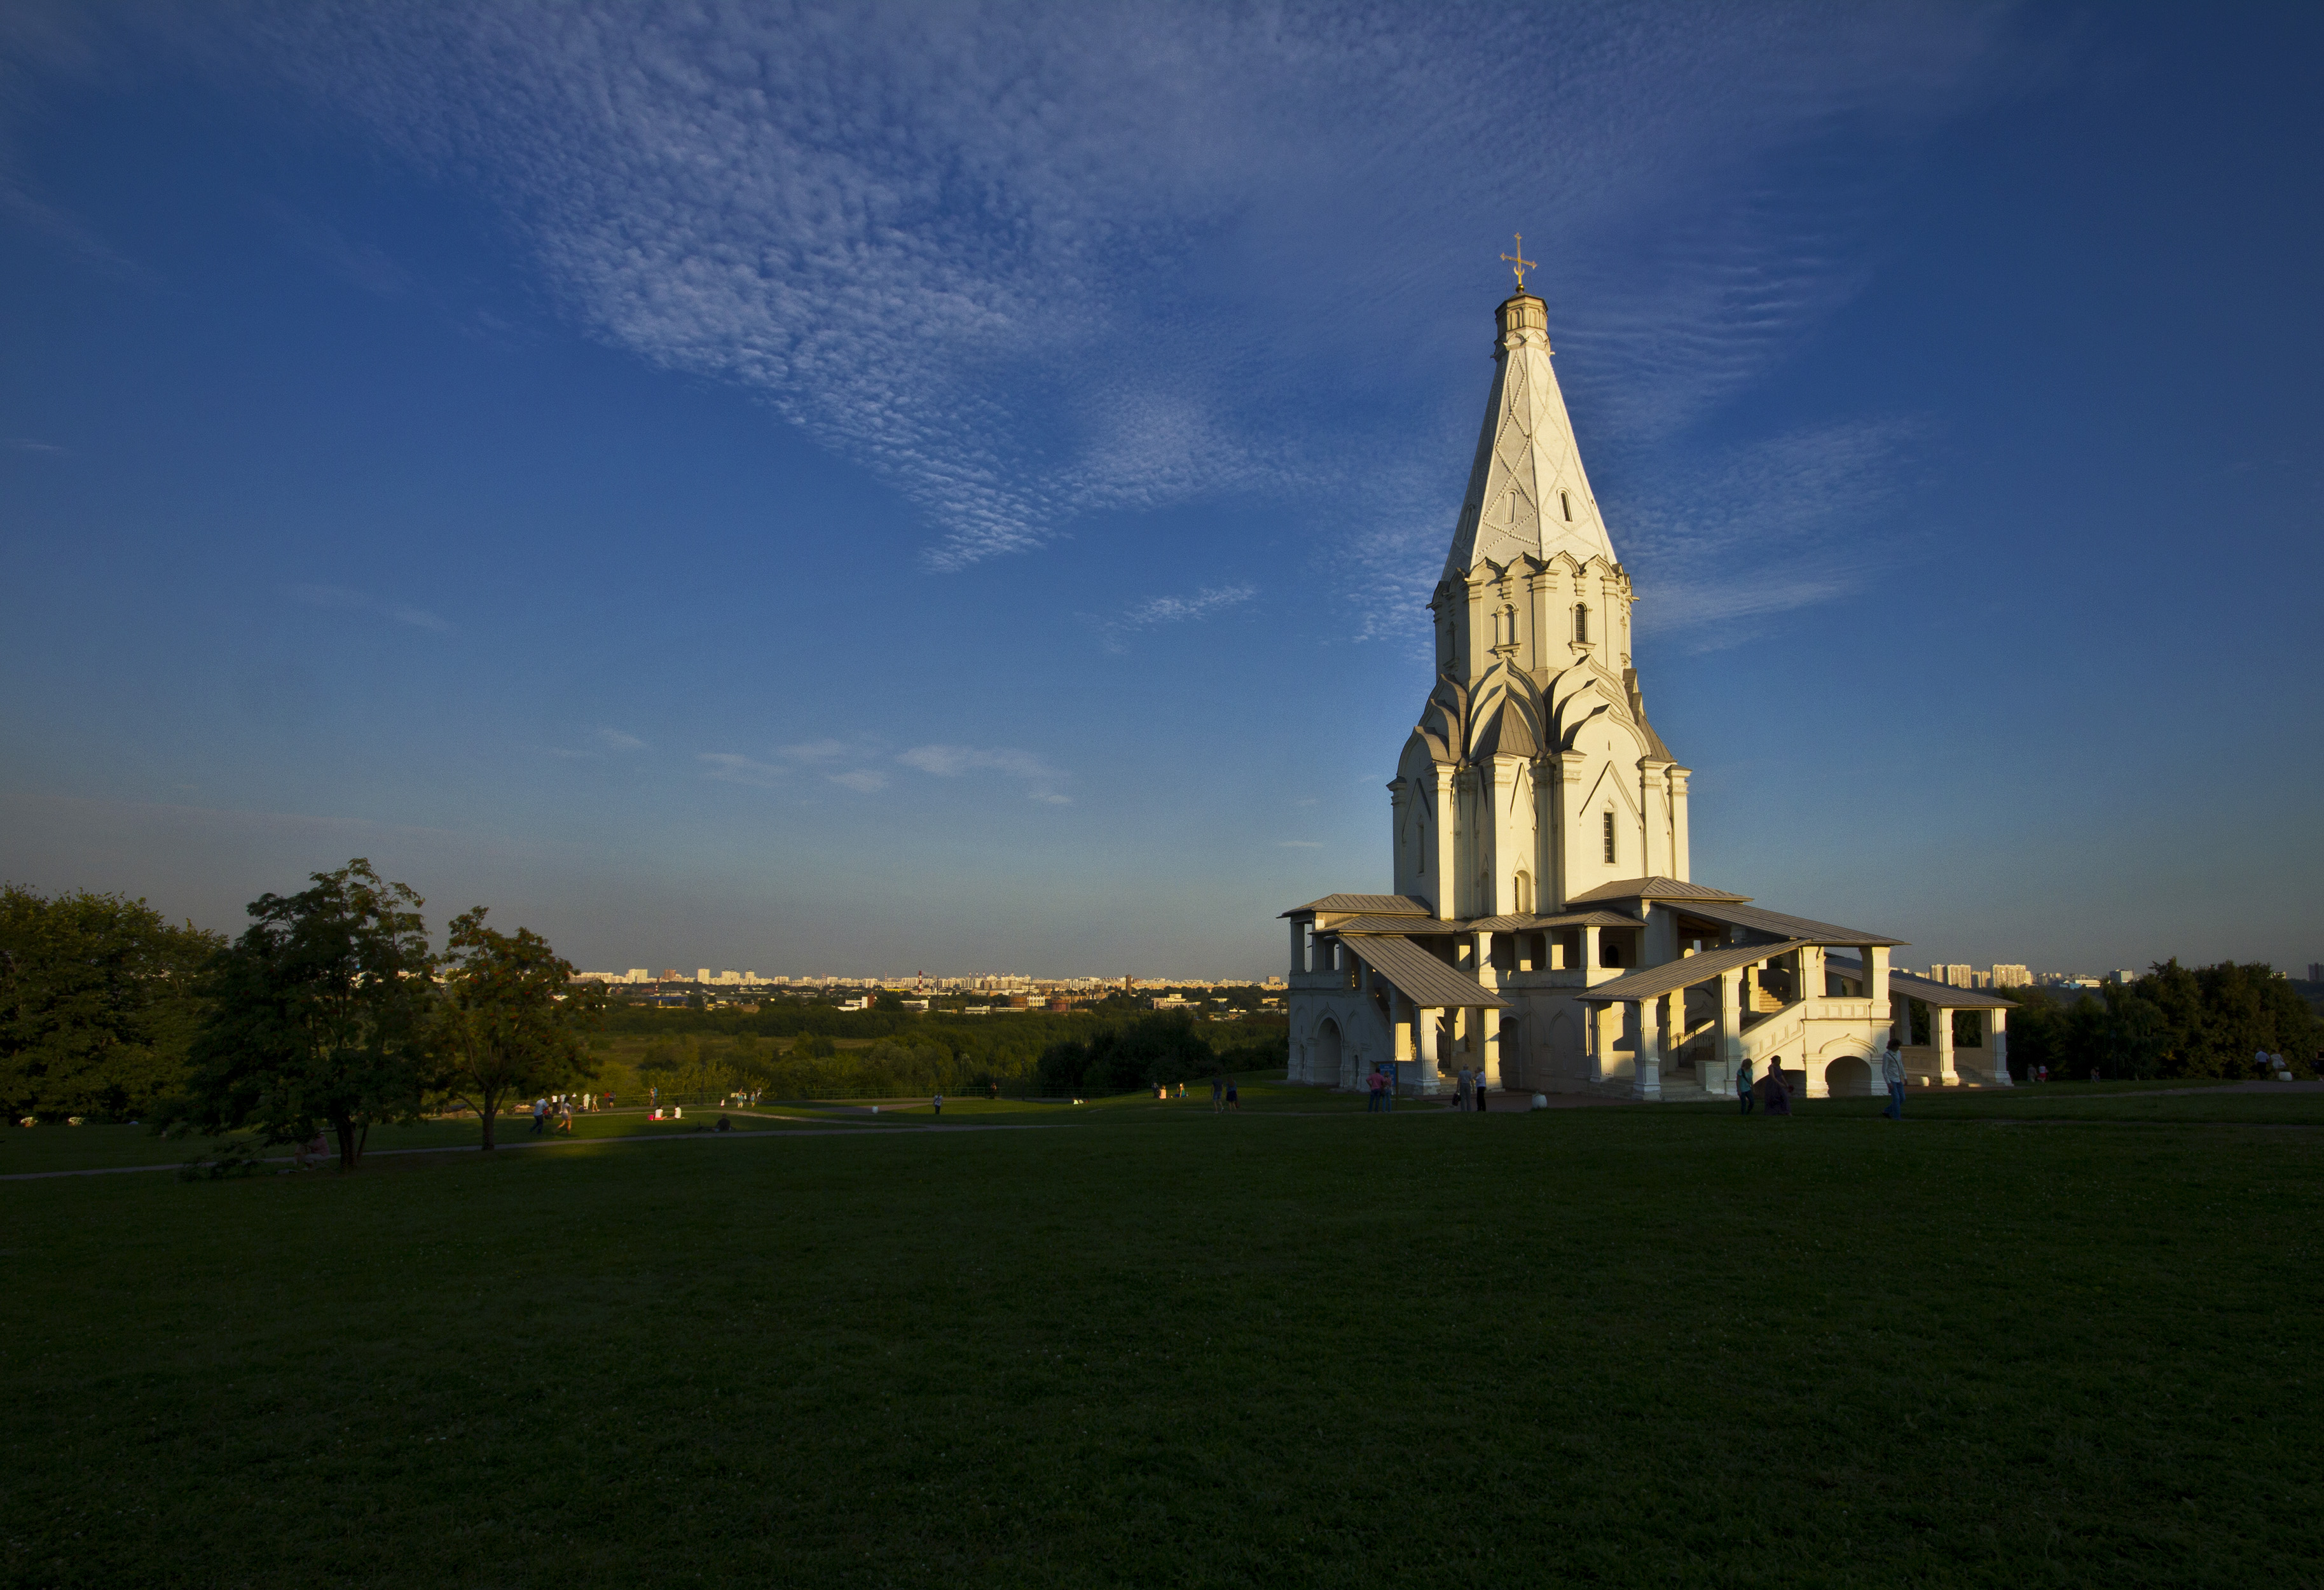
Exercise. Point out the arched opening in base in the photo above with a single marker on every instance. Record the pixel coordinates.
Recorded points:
(1325, 1066)
(1848, 1077)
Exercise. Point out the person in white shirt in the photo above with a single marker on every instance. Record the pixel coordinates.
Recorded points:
(1891, 1072)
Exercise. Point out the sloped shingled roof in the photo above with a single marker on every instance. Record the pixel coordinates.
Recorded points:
(1514, 923)
(1783, 927)
(1653, 889)
(1377, 905)
(1685, 972)
(1944, 995)
(1573, 919)
(1421, 977)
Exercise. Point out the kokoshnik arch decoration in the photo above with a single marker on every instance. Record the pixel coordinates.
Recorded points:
(1544, 929)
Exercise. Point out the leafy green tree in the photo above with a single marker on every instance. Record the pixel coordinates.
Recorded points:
(2175, 1022)
(96, 1004)
(2214, 1018)
(1118, 1060)
(319, 1014)
(510, 1020)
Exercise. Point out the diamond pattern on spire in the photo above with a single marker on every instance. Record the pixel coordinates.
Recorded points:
(1525, 455)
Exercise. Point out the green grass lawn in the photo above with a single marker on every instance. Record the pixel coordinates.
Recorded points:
(1151, 1346)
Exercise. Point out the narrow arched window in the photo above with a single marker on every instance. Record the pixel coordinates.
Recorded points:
(1521, 888)
(1581, 623)
(1566, 506)
(1610, 838)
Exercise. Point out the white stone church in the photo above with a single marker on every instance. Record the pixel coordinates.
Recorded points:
(1543, 926)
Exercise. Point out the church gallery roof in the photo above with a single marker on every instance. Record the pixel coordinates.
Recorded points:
(1783, 927)
(1653, 889)
(1928, 991)
(1573, 919)
(1420, 976)
(1396, 925)
(1511, 923)
(1375, 905)
(1685, 972)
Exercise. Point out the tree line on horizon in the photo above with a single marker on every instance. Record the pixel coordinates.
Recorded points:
(2191, 1022)
(333, 1012)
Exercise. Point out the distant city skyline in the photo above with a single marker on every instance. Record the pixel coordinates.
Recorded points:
(798, 491)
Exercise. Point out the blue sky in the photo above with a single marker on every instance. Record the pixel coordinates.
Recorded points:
(953, 486)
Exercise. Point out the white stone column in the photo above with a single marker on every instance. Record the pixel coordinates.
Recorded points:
(1941, 1035)
(1680, 858)
(1730, 1027)
(1448, 823)
(1648, 1083)
(1489, 1046)
(1593, 1034)
(1653, 849)
(1426, 1079)
(1996, 1040)
(1810, 957)
(1875, 979)
(1589, 956)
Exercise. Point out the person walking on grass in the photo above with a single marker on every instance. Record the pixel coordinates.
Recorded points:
(939, 1102)
(1463, 1090)
(1218, 1094)
(1891, 1072)
(1779, 1093)
(1234, 1099)
(1372, 1101)
(1743, 1086)
(1482, 1090)
(564, 1118)
(539, 1117)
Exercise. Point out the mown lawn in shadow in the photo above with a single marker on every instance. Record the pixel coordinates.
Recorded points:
(1589, 1345)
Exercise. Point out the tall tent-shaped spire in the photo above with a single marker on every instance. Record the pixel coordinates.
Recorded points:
(1527, 493)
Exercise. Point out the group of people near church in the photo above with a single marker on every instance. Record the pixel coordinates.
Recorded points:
(1775, 1094)
(1469, 1089)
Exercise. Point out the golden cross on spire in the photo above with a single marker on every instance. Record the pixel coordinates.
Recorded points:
(1519, 264)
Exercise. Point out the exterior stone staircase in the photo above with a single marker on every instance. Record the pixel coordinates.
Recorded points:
(1681, 1088)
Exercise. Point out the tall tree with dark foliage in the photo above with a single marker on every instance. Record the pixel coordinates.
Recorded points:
(319, 1015)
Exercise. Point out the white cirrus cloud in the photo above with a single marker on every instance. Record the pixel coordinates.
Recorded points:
(1030, 265)
(341, 596)
(950, 761)
(732, 768)
(1741, 535)
(615, 740)
(1115, 628)
(825, 758)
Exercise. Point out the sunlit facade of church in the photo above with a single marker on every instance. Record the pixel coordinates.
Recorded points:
(1543, 926)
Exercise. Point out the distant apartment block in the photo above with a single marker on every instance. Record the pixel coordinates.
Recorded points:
(2011, 976)
(2124, 974)
(2316, 971)
(1955, 976)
